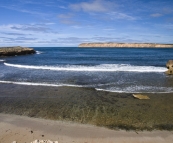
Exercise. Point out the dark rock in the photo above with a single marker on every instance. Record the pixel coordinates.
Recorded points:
(169, 66)
(13, 51)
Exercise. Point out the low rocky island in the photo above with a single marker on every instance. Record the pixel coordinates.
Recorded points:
(125, 45)
(13, 51)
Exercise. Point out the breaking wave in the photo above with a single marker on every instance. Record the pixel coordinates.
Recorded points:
(38, 52)
(138, 89)
(96, 68)
(130, 89)
(40, 84)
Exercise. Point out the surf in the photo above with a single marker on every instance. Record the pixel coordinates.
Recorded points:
(40, 84)
(96, 68)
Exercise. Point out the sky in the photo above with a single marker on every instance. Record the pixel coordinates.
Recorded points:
(64, 23)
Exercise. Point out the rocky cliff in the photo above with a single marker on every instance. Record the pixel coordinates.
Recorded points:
(12, 51)
(126, 45)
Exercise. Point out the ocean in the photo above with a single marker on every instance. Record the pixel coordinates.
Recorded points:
(122, 70)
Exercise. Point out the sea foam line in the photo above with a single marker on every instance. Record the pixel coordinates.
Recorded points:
(122, 91)
(2, 60)
(40, 84)
(97, 68)
(69, 85)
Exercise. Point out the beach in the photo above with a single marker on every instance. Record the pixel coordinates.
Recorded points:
(19, 128)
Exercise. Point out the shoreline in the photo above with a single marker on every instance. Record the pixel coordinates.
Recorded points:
(88, 106)
(78, 86)
(18, 128)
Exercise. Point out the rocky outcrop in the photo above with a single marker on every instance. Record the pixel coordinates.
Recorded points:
(126, 45)
(169, 66)
(12, 51)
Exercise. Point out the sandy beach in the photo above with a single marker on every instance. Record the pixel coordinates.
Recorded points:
(18, 128)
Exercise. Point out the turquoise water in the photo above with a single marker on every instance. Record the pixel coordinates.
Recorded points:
(111, 69)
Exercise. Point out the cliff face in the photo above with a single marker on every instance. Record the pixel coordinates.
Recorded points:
(127, 45)
(12, 51)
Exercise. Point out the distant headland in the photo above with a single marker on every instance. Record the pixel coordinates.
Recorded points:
(125, 45)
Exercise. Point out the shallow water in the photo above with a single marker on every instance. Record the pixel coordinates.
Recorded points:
(88, 106)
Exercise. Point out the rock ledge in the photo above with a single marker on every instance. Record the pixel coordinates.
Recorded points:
(12, 51)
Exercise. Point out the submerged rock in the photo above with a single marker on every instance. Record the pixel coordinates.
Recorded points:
(169, 66)
(13, 51)
(140, 96)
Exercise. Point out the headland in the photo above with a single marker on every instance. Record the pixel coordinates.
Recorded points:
(16, 50)
(124, 45)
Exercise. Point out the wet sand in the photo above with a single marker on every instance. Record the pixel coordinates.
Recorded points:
(88, 106)
(18, 128)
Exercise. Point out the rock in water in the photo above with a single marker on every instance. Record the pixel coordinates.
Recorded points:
(169, 66)
(12, 51)
(140, 96)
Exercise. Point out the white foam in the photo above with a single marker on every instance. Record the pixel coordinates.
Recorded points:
(2, 60)
(117, 90)
(38, 52)
(40, 84)
(97, 68)
(139, 89)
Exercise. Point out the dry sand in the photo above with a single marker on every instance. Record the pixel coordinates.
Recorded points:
(24, 130)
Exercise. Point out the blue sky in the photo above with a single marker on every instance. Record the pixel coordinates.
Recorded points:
(71, 22)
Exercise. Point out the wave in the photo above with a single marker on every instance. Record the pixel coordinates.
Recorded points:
(2, 60)
(124, 90)
(38, 52)
(139, 89)
(41, 84)
(96, 68)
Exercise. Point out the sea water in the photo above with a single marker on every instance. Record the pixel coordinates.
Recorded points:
(129, 70)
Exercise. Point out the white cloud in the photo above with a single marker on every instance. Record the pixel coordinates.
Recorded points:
(65, 16)
(94, 6)
(118, 15)
(156, 15)
(32, 12)
(32, 28)
(76, 27)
